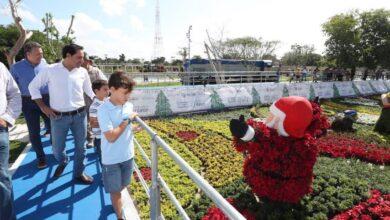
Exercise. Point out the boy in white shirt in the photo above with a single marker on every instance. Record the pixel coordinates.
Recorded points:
(101, 90)
(114, 118)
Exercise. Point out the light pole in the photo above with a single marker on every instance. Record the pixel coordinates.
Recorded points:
(189, 46)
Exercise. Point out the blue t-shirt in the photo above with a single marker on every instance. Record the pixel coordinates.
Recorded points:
(24, 72)
(109, 117)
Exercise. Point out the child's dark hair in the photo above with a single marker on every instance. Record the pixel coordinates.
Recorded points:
(119, 80)
(98, 84)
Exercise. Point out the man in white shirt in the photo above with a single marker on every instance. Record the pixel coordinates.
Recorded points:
(67, 82)
(10, 108)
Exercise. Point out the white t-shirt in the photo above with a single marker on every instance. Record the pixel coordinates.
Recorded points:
(93, 113)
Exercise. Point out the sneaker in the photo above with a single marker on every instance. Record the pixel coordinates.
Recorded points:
(41, 164)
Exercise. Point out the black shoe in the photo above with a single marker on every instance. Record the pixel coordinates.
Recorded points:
(90, 144)
(85, 179)
(60, 169)
(41, 164)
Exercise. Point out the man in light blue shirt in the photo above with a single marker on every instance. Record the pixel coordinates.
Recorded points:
(10, 108)
(24, 72)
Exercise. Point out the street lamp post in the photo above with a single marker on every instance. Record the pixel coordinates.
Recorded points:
(189, 46)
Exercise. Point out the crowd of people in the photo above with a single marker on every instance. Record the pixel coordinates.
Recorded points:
(70, 94)
(300, 74)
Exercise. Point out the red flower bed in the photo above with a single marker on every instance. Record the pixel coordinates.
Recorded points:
(187, 135)
(376, 207)
(146, 173)
(336, 145)
(214, 213)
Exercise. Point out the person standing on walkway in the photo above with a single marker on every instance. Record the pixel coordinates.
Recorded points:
(94, 74)
(24, 72)
(117, 147)
(67, 82)
(10, 108)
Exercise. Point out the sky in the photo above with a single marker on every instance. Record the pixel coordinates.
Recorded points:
(113, 27)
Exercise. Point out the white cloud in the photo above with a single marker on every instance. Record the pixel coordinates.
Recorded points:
(140, 3)
(27, 15)
(136, 23)
(23, 11)
(100, 40)
(113, 7)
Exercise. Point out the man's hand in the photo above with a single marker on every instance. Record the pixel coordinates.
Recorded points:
(93, 121)
(3, 123)
(49, 112)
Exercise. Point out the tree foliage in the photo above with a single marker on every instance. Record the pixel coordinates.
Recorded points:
(359, 39)
(301, 55)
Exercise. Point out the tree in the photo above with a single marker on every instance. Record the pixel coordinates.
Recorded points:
(183, 53)
(135, 61)
(355, 89)
(336, 93)
(9, 35)
(196, 57)
(163, 108)
(375, 38)
(24, 34)
(255, 97)
(216, 101)
(343, 40)
(159, 60)
(248, 48)
(177, 62)
(285, 91)
(122, 58)
(53, 39)
(301, 55)
(312, 94)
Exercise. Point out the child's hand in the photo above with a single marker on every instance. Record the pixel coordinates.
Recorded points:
(93, 122)
(136, 128)
(133, 115)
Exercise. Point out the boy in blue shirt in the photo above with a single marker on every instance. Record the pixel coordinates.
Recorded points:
(117, 146)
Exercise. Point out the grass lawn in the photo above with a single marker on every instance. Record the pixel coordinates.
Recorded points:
(16, 147)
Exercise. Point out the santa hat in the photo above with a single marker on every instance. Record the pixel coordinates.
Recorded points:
(295, 115)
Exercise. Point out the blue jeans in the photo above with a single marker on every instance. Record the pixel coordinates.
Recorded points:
(32, 113)
(97, 143)
(6, 194)
(60, 126)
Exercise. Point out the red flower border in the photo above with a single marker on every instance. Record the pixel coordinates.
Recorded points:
(336, 145)
(376, 207)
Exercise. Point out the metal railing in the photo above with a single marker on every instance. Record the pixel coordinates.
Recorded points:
(158, 182)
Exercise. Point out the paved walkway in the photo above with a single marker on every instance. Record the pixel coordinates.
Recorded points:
(38, 196)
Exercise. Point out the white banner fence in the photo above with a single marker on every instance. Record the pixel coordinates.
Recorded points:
(165, 101)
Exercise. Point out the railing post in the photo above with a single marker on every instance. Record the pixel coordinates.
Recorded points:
(155, 200)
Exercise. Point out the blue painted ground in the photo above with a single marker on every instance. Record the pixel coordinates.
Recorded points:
(38, 196)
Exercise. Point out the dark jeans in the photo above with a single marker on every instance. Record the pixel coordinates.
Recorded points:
(97, 144)
(32, 114)
(6, 194)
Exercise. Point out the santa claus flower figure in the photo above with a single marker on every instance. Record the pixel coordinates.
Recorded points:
(280, 152)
